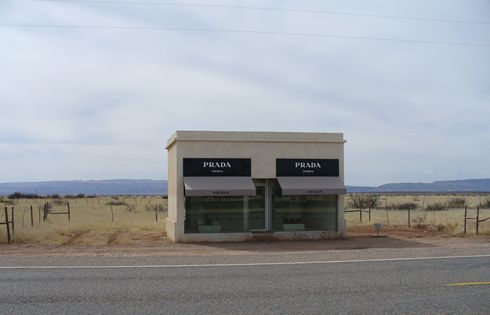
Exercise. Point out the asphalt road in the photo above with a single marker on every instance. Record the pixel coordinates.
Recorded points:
(413, 286)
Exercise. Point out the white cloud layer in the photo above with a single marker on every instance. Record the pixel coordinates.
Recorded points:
(100, 103)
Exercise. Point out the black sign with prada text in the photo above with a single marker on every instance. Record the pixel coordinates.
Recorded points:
(217, 167)
(307, 167)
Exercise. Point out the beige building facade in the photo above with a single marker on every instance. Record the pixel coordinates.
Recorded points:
(238, 186)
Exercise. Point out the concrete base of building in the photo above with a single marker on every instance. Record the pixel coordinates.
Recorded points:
(170, 224)
(259, 236)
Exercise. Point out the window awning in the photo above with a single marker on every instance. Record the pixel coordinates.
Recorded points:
(219, 186)
(311, 185)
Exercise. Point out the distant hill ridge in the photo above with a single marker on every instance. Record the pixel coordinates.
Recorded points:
(465, 185)
(159, 187)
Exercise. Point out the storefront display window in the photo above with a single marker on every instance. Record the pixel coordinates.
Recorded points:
(303, 212)
(214, 214)
(225, 214)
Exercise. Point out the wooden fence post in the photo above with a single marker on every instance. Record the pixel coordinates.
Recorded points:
(369, 212)
(112, 215)
(7, 224)
(13, 224)
(69, 212)
(23, 217)
(477, 218)
(32, 217)
(360, 215)
(156, 214)
(465, 214)
(409, 217)
(45, 216)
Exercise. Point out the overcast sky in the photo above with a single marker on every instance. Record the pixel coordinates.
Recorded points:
(100, 103)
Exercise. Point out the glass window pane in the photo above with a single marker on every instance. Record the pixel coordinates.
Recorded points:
(303, 212)
(214, 214)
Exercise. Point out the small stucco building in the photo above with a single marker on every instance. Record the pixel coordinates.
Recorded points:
(237, 186)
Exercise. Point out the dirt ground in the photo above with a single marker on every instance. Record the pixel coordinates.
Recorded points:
(155, 244)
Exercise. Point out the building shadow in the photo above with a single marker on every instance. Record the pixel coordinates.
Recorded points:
(348, 243)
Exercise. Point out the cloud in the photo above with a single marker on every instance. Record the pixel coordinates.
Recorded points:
(100, 103)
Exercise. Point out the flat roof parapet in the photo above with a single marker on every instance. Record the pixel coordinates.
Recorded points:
(255, 136)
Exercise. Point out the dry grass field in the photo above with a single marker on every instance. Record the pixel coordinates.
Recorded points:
(132, 220)
(448, 220)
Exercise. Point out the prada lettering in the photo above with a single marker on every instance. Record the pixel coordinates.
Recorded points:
(307, 165)
(216, 164)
